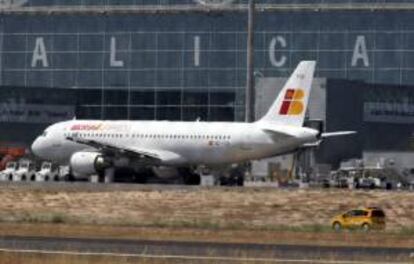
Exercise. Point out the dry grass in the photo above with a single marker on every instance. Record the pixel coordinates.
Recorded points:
(234, 215)
(210, 208)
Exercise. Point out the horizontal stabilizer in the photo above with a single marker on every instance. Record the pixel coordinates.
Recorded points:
(337, 134)
(311, 145)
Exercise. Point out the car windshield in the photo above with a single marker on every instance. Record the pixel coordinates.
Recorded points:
(11, 166)
(378, 213)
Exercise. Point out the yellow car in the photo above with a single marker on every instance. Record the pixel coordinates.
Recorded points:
(365, 219)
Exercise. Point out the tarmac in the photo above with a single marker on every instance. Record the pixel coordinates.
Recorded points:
(201, 250)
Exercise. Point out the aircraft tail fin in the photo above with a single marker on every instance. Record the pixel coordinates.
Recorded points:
(291, 103)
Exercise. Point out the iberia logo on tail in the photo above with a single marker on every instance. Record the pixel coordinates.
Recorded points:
(292, 102)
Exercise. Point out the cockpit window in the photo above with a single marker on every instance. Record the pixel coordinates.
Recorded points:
(44, 134)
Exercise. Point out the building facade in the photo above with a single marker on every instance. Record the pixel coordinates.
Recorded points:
(183, 60)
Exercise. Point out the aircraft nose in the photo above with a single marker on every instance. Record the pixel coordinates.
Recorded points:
(37, 148)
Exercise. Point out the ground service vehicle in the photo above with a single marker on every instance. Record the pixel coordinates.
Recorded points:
(7, 174)
(47, 172)
(25, 172)
(365, 219)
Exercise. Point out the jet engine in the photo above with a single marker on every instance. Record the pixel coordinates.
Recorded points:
(84, 164)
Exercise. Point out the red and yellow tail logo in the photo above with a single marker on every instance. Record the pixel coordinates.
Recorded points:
(293, 102)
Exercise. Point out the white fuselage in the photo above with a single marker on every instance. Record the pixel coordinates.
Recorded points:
(186, 143)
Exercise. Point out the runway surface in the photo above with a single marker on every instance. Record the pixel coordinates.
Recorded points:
(204, 249)
(84, 186)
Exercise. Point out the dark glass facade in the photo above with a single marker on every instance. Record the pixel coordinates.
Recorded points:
(185, 66)
(185, 2)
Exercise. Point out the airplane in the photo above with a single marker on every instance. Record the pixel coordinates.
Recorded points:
(92, 147)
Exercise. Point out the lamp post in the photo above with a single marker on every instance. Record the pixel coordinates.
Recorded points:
(250, 89)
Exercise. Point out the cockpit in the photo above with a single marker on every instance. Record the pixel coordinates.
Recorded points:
(42, 144)
(47, 144)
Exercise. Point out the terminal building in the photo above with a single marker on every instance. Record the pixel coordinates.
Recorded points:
(186, 60)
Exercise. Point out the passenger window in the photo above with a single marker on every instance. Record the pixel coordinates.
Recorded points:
(349, 214)
(361, 213)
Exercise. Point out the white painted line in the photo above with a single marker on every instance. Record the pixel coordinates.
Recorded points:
(272, 260)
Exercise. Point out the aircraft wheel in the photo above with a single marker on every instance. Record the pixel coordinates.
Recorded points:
(337, 226)
(365, 227)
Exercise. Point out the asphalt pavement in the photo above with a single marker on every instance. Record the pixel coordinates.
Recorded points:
(205, 249)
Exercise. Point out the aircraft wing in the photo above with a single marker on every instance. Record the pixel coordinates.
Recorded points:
(113, 150)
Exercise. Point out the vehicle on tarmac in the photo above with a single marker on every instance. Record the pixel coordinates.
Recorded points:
(7, 173)
(368, 183)
(364, 219)
(25, 172)
(96, 147)
(48, 172)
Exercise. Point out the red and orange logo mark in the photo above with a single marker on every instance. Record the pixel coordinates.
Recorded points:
(293, 102)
